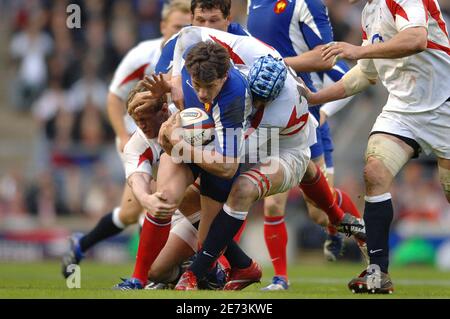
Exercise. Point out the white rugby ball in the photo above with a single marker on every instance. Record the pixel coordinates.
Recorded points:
(198, 126)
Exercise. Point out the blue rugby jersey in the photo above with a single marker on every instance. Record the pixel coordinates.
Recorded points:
(292, 27)
(229, 110)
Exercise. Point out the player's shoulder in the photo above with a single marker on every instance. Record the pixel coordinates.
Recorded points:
(237, 80)
(235, 87)
(237, 29)
(147, 47)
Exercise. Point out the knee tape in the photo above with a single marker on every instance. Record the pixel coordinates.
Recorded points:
(260, 180)
(444, 177)
(391, 154)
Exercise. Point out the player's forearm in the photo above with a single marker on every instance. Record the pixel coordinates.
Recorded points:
(405, 43)
(140, 185)
(331, 93)
(310, 61)
(116, 109)
(211, 161)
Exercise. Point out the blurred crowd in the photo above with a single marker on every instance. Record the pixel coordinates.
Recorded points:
(61, 77)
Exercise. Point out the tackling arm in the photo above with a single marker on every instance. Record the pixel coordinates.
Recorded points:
(353, 82)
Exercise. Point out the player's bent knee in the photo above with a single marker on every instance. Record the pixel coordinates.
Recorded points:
(274, 207)
(129, 216)
(376, 173)
(390, 153)
(243, 193)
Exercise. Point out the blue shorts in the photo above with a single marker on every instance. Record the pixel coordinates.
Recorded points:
(212, 186)
(324, 145)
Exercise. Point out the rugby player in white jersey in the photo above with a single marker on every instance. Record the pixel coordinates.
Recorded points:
(406, 46)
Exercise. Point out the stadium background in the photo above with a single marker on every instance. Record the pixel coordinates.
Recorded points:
(59, 170)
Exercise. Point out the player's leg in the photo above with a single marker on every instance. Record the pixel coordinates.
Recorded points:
(180, 245)
(385, 156)
(109, 225)
(334, 245)
(276, 236)
(245, 190)
(444, 175)
(173, 180)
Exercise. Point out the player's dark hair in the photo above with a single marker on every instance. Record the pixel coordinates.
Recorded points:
(223, 5)
(208, 61)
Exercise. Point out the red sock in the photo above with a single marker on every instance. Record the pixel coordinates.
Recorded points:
(332, 230)
(154, 235)
(224, 262)
(346, 203)
(320, 193)
(276, 238)
(237, 237)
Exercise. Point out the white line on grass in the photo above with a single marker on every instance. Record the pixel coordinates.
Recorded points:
(405, 282)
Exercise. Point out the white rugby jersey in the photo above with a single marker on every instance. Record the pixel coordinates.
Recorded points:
(139, 61)
(141, 153)
(420, 82)
(288, 112)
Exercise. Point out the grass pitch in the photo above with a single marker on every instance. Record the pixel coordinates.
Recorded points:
(44, 280)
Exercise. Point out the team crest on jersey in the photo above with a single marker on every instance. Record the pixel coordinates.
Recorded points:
(280, 6)
(207, 107)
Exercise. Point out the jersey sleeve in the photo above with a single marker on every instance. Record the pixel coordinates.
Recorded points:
(315, 24)
(237, 29)
(130, 71)
(408, 13)
(139, 155)
(188, 37)
(164, 64)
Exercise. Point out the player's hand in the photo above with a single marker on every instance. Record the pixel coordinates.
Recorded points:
(141, 101)
(323, 117)
(157, 85)
(177, 92)
(341, 50)
(173, 129)
(157, 205)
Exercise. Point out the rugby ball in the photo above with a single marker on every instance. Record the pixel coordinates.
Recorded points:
(198, 126)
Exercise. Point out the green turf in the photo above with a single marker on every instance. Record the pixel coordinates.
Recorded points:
(43, 280)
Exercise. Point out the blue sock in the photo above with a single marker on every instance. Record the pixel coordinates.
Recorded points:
(236, 256)
(378, 217)
(105, 228)
(220, 235)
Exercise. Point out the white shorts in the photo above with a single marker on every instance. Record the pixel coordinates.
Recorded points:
(294, 163)
(431, 130)
(183, 228)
